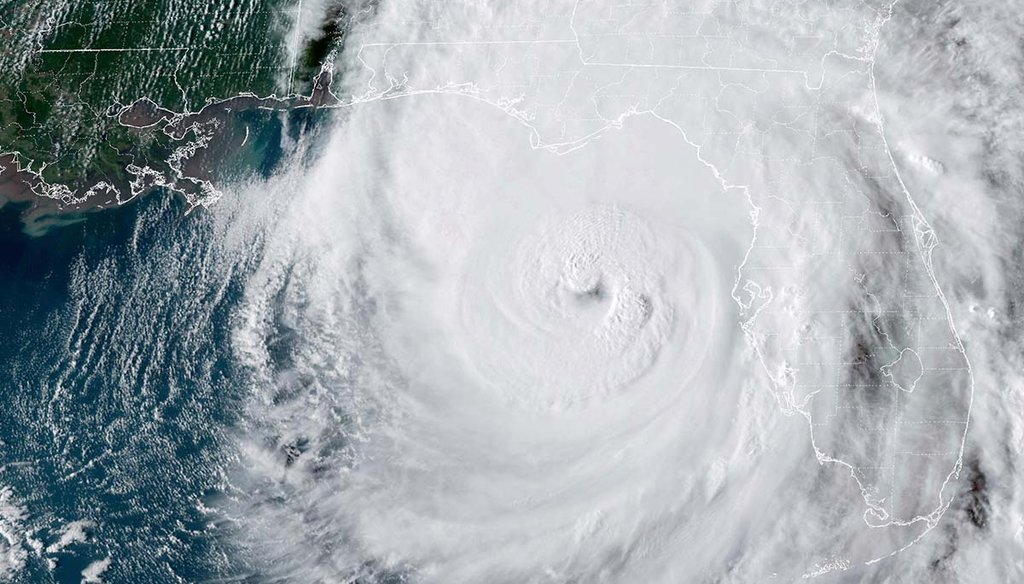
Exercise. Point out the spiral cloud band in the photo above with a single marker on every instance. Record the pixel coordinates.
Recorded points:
(582, 305)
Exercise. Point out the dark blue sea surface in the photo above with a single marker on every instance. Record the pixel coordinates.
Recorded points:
(119, 391)
(121, 401)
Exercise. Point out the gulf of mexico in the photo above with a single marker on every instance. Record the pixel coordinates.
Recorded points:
(119, 392)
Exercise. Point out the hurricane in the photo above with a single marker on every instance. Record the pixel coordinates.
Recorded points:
(534, 292)
(491, 352)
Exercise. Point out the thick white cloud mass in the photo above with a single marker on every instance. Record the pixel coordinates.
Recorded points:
(603, 292)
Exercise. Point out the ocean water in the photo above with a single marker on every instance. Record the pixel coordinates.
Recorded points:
(556, 309)
(125, 399)
(118, 391)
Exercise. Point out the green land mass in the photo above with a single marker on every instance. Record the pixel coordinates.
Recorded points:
(67, 69)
